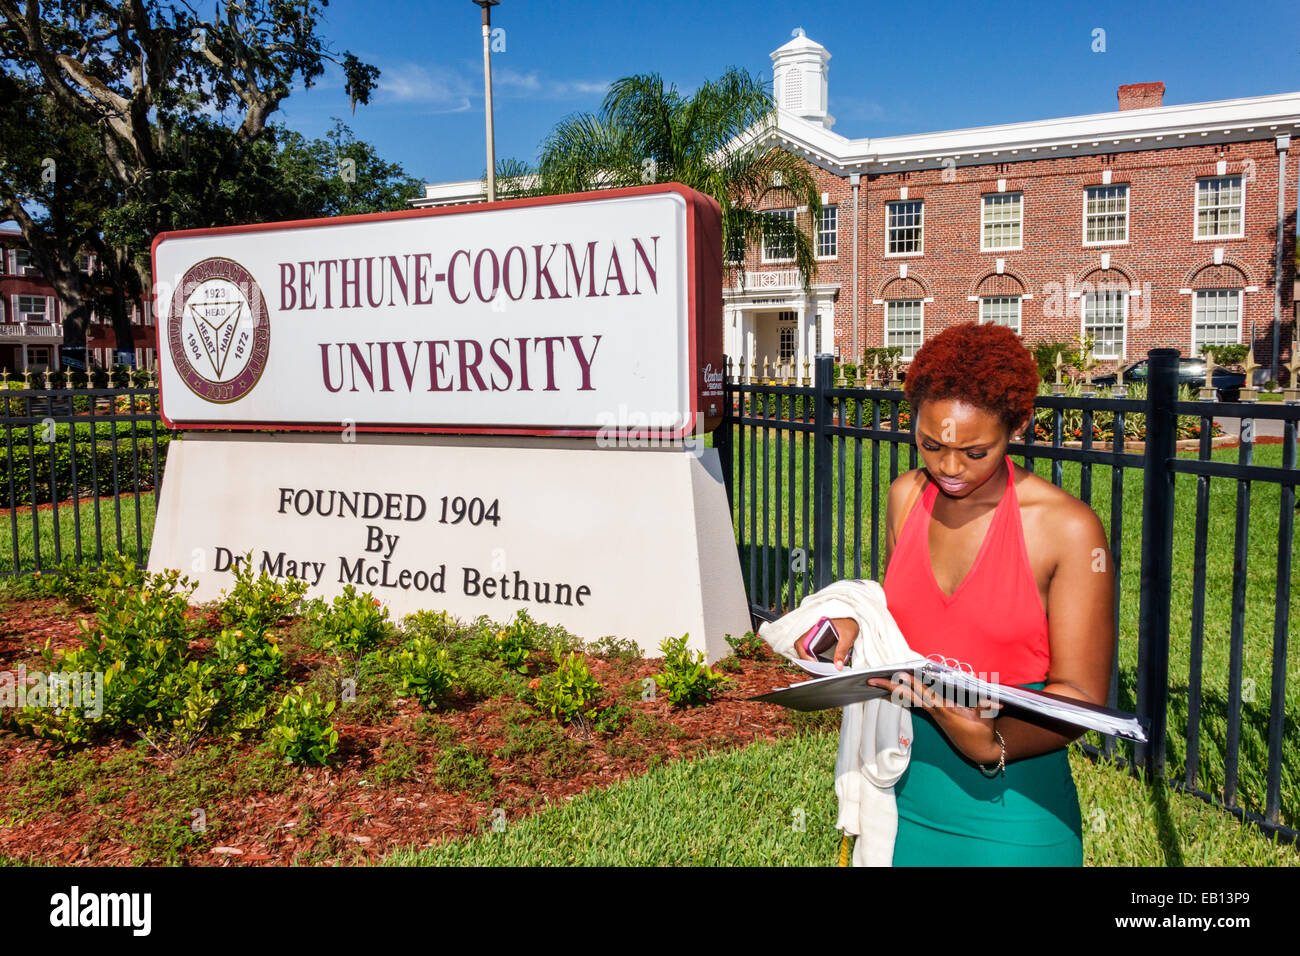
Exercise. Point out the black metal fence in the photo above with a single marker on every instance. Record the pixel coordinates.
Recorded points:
(1204, 588)
(80, 475)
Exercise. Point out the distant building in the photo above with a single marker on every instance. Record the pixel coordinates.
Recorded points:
(31, 317)
(1147, 226)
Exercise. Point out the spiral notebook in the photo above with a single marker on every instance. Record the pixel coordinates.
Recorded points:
(836, 688)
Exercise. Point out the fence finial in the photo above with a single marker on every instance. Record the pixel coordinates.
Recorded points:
(1292, 392)
(766, 375)
(806, 365)
(1249, 392)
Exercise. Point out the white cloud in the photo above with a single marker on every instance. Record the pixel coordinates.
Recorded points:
(448, 89)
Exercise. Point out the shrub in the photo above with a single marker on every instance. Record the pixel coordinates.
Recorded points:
(438, 625)
(86, 584)
(619, 648)
(48, 464)
(302, 731)
(257, 603)
(352, 625)
(1227, 354)
(1045, 355)
(686, 678)
(570, 691)
(139, 646)
(249, 666)
(512, 644)
(424, 670)
(749, 646)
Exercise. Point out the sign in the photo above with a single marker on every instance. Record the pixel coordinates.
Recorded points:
(565, 315)
(634, 543)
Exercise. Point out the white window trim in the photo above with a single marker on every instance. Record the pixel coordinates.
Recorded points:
(1009, 192)
(23, 271)
(885, 324)
(1083, 327)
(1128, 216)
(1196, 191)
(817, 235)
(1020, 314)
(762, 245)
(1241, 311)
(20, 316)
(904, 255)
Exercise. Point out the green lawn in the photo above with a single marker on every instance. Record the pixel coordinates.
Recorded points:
(773, 804)
(784, 467)
(116, 522)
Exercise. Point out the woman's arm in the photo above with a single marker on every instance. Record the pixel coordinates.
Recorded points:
(1081, 623)
(1080, 613)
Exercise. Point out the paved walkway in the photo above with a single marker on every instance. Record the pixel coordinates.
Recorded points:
(1263, 426)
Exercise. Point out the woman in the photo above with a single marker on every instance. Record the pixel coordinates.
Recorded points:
(989, 565)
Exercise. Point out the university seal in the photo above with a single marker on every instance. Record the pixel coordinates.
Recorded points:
(218, 330)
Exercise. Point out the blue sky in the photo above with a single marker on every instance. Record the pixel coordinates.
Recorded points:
(898, 68)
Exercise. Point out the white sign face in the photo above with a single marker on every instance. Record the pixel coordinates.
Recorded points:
(634, 543)
(562, 315)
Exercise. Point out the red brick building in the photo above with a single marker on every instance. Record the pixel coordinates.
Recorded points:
(31, 317)
(1147, 226)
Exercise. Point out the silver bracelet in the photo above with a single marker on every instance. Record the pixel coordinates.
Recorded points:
(1002, 760)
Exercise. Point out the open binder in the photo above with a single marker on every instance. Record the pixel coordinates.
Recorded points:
(835, 688)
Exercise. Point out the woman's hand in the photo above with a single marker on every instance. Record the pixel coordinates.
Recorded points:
(847, 628)
(969, 729)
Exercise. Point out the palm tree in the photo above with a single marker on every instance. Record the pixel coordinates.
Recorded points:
(711, 141)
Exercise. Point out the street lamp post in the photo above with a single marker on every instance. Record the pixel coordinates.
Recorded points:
(487, 6)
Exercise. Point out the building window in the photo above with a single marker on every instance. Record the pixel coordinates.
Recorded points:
(903, 326)
(787, 328)
(23, 264)
(1000, 221)
(31, 308)
(736, 247)
(1103, 318)
(828, 233)
(1105, 215)
(1216, 318)
(1220, 207)
(904, 228)
(1001, 310)
(779, 248)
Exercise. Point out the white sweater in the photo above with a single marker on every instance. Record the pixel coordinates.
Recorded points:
(875, 735)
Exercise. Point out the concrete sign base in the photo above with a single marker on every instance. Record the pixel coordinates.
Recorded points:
(631, 542)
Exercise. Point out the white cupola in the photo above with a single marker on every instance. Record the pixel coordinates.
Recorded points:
(799, 79)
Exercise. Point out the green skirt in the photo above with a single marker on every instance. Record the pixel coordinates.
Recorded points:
(950, 814)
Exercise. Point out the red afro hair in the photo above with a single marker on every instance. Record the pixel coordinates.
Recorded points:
(986, 366)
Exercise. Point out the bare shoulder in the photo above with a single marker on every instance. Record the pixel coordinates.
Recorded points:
(902, 488)
(1059, 517)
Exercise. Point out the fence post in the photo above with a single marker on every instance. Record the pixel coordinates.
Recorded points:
(823, 452)
(1157, 555)
(722, 434)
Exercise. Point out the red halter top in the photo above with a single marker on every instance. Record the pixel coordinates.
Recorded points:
(994, 621)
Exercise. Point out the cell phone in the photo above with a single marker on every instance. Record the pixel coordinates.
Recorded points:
(821, 640)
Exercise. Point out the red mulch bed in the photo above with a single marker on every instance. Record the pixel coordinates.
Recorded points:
(337, 815)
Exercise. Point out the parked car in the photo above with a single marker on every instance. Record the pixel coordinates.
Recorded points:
(1191, 371)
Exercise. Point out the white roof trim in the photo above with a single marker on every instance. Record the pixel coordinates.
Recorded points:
(1145, 128)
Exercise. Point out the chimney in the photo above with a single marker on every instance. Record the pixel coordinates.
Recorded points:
(1141, 96)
